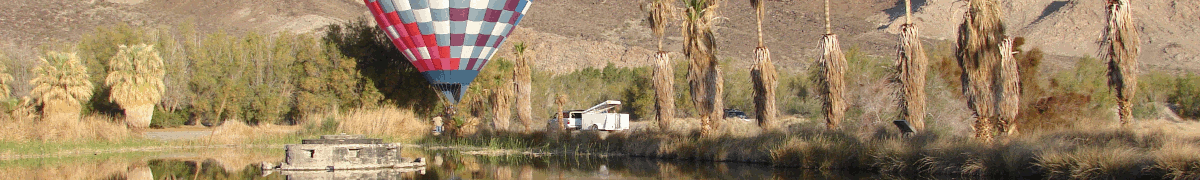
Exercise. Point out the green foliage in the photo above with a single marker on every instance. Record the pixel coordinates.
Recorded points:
(383, 66)
(1186, 96)
(167, 119)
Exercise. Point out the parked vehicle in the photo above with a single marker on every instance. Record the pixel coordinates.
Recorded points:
(597, 117)
(735, 113)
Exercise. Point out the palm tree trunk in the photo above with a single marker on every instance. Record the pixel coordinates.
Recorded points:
(832, 79)
(1122, 44)
(524, 89)
(912, 67)
(978, 55)
(139, 116)
(664, 90)
(765, 81)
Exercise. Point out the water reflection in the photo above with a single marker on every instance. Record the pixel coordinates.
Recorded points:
(443, 165)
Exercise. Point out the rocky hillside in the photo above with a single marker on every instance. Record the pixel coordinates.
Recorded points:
(571, 34)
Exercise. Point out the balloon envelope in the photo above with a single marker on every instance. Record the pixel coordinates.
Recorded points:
(449, 41)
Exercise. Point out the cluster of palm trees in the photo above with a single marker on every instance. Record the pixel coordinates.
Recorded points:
(61, 85)
(985, 53)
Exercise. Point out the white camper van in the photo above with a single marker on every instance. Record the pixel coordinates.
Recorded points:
(598, 117)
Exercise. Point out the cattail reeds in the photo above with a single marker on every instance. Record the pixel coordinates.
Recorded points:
(831, 81)
(501, 98)
(1010, 94)
(135, 74)
(911, 68)
(978, 54)
(523, 81)
(704, 77)
(1121, 46)
(60, 86)
(764, 76)
(661, 13)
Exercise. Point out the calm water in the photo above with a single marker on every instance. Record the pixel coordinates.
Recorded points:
(244, 164)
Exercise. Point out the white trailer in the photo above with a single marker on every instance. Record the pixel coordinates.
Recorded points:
(597, 117)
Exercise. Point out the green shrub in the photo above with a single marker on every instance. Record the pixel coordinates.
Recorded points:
(164, 119)
(1186, 96)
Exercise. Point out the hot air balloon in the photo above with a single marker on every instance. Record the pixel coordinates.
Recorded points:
(448, 41)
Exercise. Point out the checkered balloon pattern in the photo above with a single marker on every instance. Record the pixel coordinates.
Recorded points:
(441, 35)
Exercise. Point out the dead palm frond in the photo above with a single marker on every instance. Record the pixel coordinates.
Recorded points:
(764, 76)
(661, 13)
(1010, 89)
(704, 79)
(26, 109)
(61, 85)
(136, 76)
(1122, 46)
(523, 80)
(978, 55)
(664, 90)
(912, 67)
(561, 102)
(831, 81)
(501, 99)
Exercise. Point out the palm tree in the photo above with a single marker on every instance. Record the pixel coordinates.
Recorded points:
(764, 76)
(1122, 46)
(704, 75)
(661, 13)
(60, 86)
(561, 102)
(832, 76)
(912, 67)
(978, 55)
(135, 74)
(524, 87)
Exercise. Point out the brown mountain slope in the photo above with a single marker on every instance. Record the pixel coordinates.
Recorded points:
(571, 34)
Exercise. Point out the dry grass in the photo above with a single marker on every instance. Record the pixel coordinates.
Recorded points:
(5, 79)
(1121, 46)
(92, 127)
(387, 121)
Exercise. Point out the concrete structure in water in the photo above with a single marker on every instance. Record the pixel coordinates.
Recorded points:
(343, 152)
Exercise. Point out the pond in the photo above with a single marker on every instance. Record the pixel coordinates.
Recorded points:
(244, 163)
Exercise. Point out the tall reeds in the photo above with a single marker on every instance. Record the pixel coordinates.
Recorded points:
(60, 86)
(978, 55)
(764, 76)
(704, 75)
(831, 81)
(911, 68)
(523, 80)
(661, 13)
(1121, 46)
(135, 74)
(5, 81)
(1010, 89)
